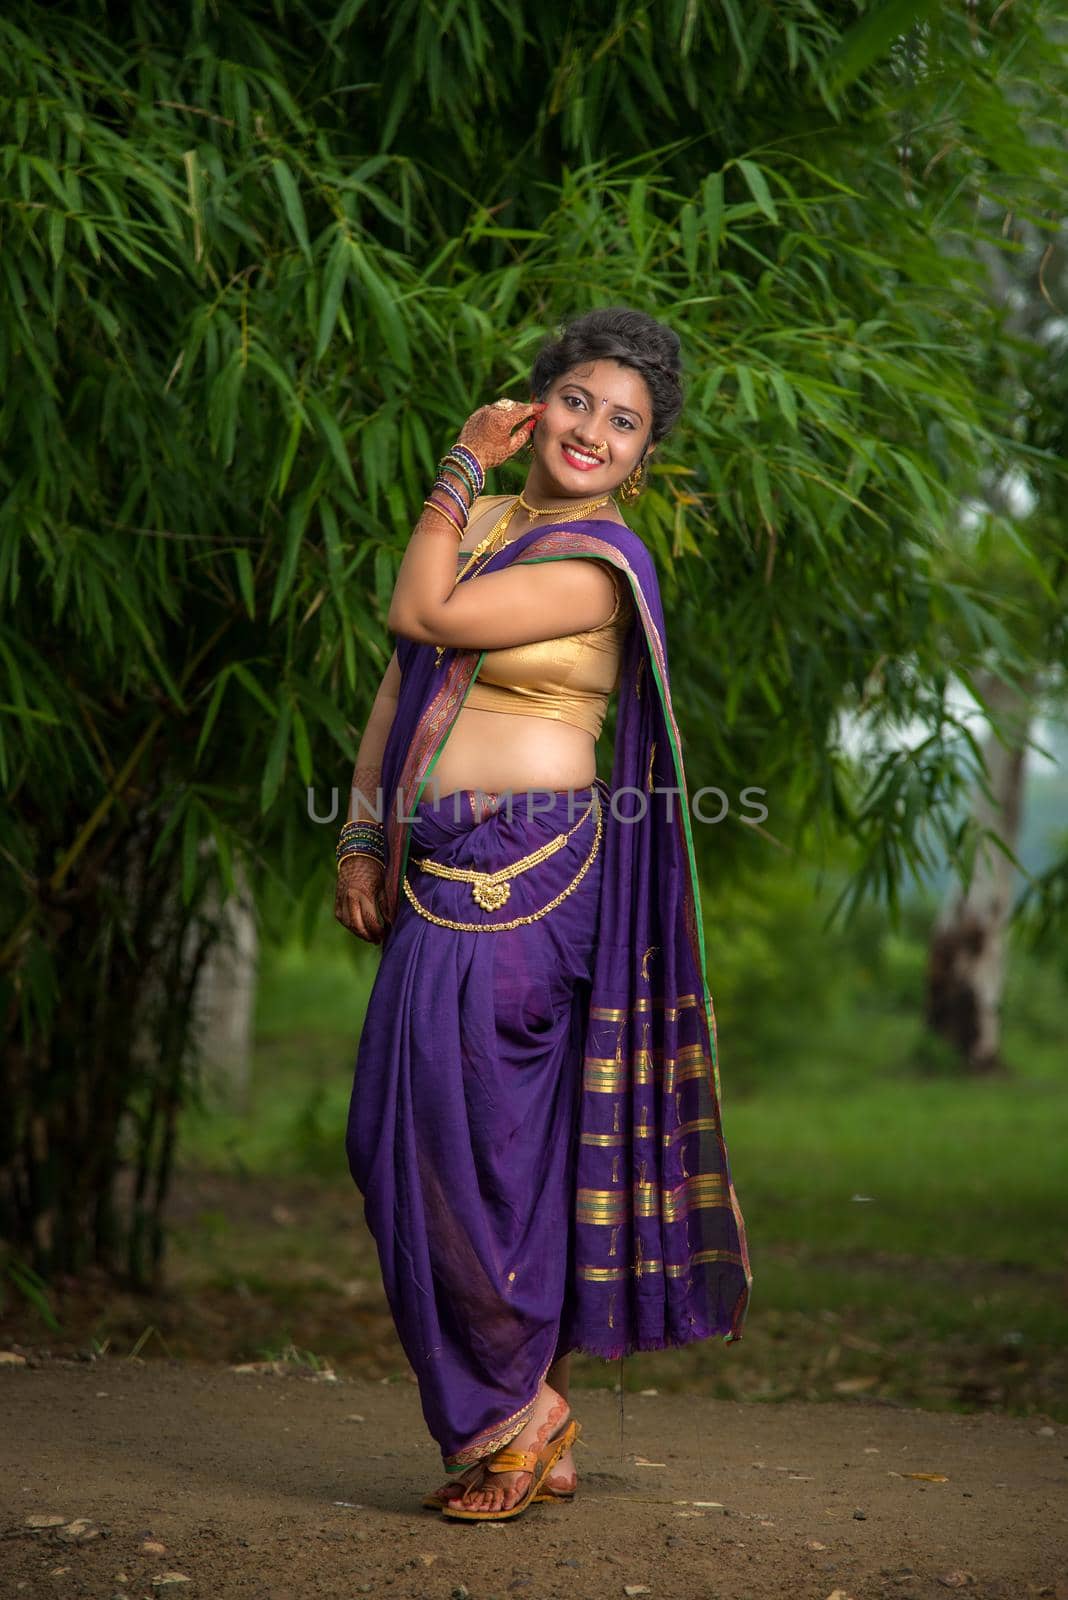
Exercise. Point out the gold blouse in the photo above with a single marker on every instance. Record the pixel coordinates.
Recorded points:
(568, 679)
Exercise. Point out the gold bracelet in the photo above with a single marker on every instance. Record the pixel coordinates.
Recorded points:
(367, 854)
(449, 518)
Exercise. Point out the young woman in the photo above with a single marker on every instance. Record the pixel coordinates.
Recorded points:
(534, 1123)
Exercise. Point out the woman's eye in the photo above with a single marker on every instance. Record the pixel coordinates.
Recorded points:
(569, 397)
(627, 423)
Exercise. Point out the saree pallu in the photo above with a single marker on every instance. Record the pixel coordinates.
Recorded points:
(463, 1132)
(656, 1251)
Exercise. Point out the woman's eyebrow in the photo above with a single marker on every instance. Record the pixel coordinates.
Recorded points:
(571, 385)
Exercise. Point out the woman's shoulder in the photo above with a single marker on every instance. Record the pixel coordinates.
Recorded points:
(629, 548)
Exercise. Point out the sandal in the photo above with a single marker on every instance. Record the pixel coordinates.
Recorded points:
(539, 1463)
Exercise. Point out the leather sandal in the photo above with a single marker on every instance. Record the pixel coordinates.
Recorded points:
(539, 1463)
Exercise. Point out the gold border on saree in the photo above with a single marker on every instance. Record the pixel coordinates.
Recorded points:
(607, 1208)
(467, 875)
(674, 1269)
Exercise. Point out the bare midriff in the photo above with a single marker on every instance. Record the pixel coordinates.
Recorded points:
(497, 753)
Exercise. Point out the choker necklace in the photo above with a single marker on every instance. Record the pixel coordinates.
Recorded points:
(559, 513)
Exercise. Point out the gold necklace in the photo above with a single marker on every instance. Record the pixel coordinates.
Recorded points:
(491, 543)
(495, 541)
(563, 516)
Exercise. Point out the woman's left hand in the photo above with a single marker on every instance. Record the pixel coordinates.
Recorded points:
(489, 430)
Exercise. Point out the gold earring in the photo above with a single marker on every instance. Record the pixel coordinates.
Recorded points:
(631, 487)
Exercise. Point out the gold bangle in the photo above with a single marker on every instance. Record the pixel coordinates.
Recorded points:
(366, 853)
(449, 518)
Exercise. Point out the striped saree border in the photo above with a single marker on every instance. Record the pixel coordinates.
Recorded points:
(555, 544)
(425, 747)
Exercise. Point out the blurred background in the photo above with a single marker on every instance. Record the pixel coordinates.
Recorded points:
(259, 263)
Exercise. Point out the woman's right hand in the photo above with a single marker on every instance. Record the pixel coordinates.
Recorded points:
(496, 431)
(358, 904)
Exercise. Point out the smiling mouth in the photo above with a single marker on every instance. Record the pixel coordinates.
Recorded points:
(581, 458)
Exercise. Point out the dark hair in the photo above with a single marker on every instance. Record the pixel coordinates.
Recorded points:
(632, 338)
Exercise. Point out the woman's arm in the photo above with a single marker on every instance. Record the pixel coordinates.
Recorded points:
(367, 773)
(527, 603)
(359, 881)
(521, 606)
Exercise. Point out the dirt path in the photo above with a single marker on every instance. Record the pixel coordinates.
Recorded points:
(282, 1487)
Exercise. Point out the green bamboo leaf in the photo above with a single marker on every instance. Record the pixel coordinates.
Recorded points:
(636, 213)
(332, 434)
(296, 524)
(285, 465)
(57, 228)
(332, 541)
(758, 188)
(383, 307)
(688, 229)
(301, 745)
(337, 271)
(292, 204)
(274, 765)
(218, 691)
(785, 396)
(762, 489)
(224, 855)
(246, 583)
(224, 408)
(747, 390)
(712, 207)
(52, 178)
(251, 683)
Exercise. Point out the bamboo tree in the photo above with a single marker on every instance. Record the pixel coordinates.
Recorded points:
(258, 264)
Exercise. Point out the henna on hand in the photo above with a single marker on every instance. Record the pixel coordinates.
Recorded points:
(359, 903)
(366, 784)
(489, 430)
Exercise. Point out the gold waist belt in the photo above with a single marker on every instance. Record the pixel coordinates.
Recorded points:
(490, 890)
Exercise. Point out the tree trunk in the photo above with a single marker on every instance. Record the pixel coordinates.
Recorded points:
(226, 999)
(966, 958)
(92, 1091)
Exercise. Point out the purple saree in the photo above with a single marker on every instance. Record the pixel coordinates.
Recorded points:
(534, 1123)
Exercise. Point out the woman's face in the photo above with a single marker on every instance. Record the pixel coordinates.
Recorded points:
(593, 432)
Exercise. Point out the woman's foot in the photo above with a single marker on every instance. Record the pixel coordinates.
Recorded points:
(458, 1483)
(563, 1479)
(499, 1491)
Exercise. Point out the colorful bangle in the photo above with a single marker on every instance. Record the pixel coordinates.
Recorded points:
(461, 472)
(468, 456)
(365, 841)
(434, 506)
(363, 838)
(464, 506)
